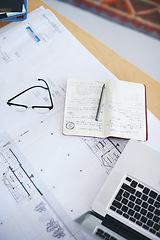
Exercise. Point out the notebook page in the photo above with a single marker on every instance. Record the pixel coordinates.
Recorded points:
(82, 100)
(126, 110)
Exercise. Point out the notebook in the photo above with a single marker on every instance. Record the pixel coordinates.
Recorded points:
(128, 204)
(112, 108)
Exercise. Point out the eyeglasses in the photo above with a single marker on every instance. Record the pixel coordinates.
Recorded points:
(38, 108)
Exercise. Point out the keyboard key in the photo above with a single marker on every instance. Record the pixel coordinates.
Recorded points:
(138, 194)
(132, 198)
(156, 219)
(119, 211)
(158, 234)
(124, 209)
(150, 200)
(112, 208)
(153, 194)
(158, 198)
(131, 212)
(140, 185)
(128, 179)
(144, 197)
(157, 212)
(120, 192)
(138, 223)
(124, 201)
(137, 215)
(149, 215)
(126, 194)
(150, 223)
(117, 204)
(137, 208)
(143, 219)
(151, 208)
(126, 215)
(132, 219)
(145, 227)
(128, 188)
(100, 232)
(144, 205)
(146, 190)
(157, 204)
(152, 230)
(143, 211)
(106, 235)
(118, 198)
(131, 204)
(138, 201)
(156, 227)
(134, 184)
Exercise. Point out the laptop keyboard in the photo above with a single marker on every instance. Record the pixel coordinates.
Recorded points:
(139, 204)
(104, 235)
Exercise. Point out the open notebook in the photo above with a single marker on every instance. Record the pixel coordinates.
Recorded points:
(104, 109)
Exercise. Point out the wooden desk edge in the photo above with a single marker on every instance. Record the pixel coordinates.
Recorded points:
(120, 67)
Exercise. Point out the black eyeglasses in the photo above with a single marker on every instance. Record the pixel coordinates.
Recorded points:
(39, 109)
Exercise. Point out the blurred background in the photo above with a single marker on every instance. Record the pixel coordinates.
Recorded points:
(138, 48)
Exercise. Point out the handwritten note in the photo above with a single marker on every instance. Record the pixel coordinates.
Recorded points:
(80, 110)
(125, 103)
(122, 111)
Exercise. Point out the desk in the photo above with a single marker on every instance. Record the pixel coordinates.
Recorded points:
(55, 170)
(120, 67)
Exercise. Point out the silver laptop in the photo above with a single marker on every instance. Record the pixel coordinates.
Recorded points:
(128, 205)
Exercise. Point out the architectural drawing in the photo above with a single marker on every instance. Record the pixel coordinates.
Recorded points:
(32, 213)
(107, 150)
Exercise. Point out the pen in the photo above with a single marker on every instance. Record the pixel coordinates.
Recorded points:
(99, 104)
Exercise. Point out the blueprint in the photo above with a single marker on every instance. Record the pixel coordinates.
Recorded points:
(36, 213)
(30, 211)
(45, 175)
(107, 150)
(47, 179)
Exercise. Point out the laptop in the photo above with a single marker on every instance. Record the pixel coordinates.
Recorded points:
(128, 204)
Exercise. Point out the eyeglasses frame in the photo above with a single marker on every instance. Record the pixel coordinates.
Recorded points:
(33, 107)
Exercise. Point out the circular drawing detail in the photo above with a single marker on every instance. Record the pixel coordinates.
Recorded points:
(70, 125)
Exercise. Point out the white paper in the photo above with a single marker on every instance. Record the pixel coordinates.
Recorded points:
(104, 109)
(28, 209)
(72, 168)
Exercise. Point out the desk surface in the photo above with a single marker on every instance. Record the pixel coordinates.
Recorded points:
(120, 67)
